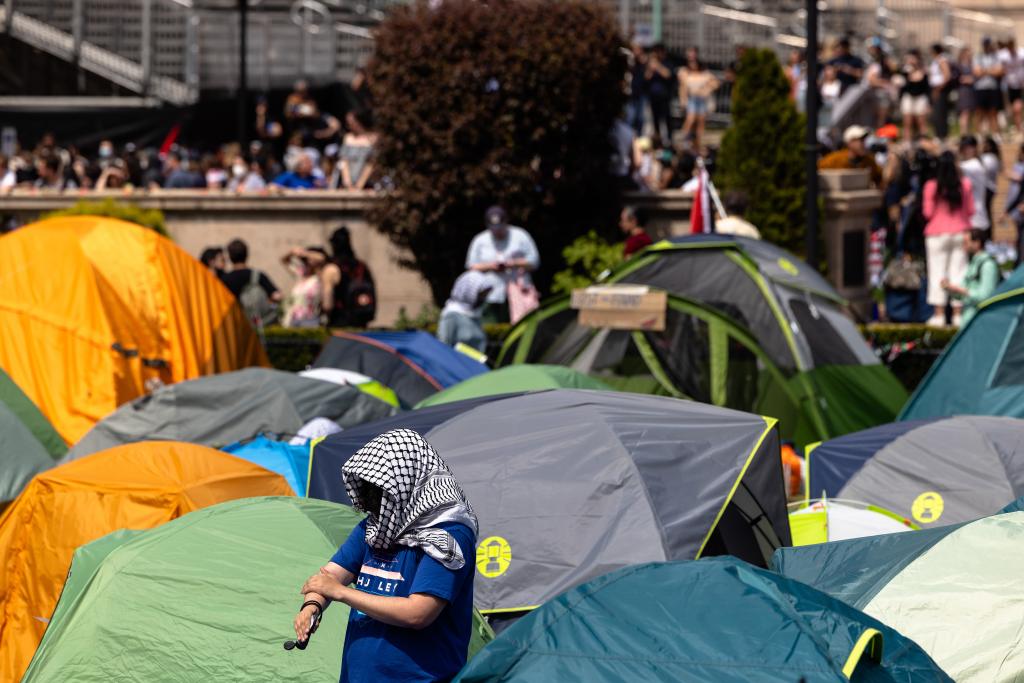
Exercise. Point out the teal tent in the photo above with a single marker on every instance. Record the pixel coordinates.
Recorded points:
(16, 402)
(21, 455)
(956, 590)
(981, 372)
(513, 380)
(207, 597)
(718, 620)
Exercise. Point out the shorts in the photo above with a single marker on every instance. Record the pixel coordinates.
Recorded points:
(988, 99)
(1014, 94)
(697, 105)
(914, 105)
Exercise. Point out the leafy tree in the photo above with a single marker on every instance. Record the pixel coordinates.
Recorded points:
(479, 102)
(147, 218)
(762, 152)
(586, 259)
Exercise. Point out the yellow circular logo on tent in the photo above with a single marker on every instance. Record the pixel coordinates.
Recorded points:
(788, 266)
(927, 507)
(493, 556)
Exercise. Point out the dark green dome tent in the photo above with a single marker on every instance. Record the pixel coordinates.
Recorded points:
(217, 410)
(718, 620)
(207, 597)
(570, 484)
(748, 326)
(981, 372)
(513, 380)
(28, 443)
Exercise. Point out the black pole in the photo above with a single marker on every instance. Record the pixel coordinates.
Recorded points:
(243, 84)
(812, 133)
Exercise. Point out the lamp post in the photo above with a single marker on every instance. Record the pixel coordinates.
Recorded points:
(812, 133)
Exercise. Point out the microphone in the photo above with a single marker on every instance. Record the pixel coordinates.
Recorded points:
(314, 622)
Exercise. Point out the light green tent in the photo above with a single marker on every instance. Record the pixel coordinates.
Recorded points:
(22, 406)
(207, 597)
(515, 379)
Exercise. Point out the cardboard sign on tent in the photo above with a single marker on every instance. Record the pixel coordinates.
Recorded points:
(138, 486)
(570, 484)
(957, 590)
(221, 409)
(749, 326)
(212, 597)
(932, 472)
(95, 312)
(717, 620)
(980, 372)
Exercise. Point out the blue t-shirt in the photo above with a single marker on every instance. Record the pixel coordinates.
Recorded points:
(376, 652)
(294, 181)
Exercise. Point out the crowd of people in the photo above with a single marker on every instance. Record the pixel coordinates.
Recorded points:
(331, 288)
(303, 148)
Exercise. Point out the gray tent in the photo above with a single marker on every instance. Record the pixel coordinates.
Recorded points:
(220, 409)
(571, 484)
(932, 471)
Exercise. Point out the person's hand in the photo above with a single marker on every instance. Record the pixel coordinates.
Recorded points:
(303, 620)
(324, 584)
(944, 283)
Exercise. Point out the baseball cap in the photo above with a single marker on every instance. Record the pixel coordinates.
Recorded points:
(495, 218)
(855, 133)
(888, 132)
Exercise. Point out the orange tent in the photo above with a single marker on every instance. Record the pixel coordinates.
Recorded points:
(95, 311)
(138, 486)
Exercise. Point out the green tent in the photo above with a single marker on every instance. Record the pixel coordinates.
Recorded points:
(515, 379)
(748, 326)
(21, 454)
(718, 620)
(981, 372)
(22, 406)
(209, 596)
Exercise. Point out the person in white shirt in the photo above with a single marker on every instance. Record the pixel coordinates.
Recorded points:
(503, 253)
(993, 166)
(8, 178)
(972, 169)
(1012, 59)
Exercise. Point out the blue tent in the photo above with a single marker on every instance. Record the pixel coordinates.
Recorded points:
(718, 620)
(956, 590)
(981, 372)
(413, 364)
(931, 471)
(291, 462)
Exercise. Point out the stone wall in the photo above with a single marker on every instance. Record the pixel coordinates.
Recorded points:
(273, 224)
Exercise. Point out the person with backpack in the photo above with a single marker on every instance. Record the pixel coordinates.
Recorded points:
(349, 294)
(982, 275)
(255, 291)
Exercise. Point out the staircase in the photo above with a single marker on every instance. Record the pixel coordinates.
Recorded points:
(148, 47)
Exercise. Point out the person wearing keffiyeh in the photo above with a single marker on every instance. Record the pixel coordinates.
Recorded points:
(460, 317)
(412, 562)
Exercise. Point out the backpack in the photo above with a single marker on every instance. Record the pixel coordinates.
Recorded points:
(359, 286)
(257, 305)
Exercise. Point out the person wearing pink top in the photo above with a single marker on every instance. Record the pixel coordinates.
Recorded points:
(948, 206)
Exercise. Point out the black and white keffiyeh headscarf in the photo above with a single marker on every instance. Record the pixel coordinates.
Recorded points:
(420, 492)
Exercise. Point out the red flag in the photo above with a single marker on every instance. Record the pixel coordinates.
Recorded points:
(700, 213)
(697, 210)
(170, 139)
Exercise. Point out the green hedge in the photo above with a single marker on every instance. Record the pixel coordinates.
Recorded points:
(125, 211)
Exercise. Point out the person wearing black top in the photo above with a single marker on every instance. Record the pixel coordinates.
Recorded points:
(349, 294)
(915, 103)
(240, 274)
(658, 77)
(849, 67)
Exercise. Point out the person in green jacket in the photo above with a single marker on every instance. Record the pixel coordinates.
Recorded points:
(982, 276)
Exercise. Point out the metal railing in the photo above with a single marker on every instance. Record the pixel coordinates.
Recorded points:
(144, 46)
